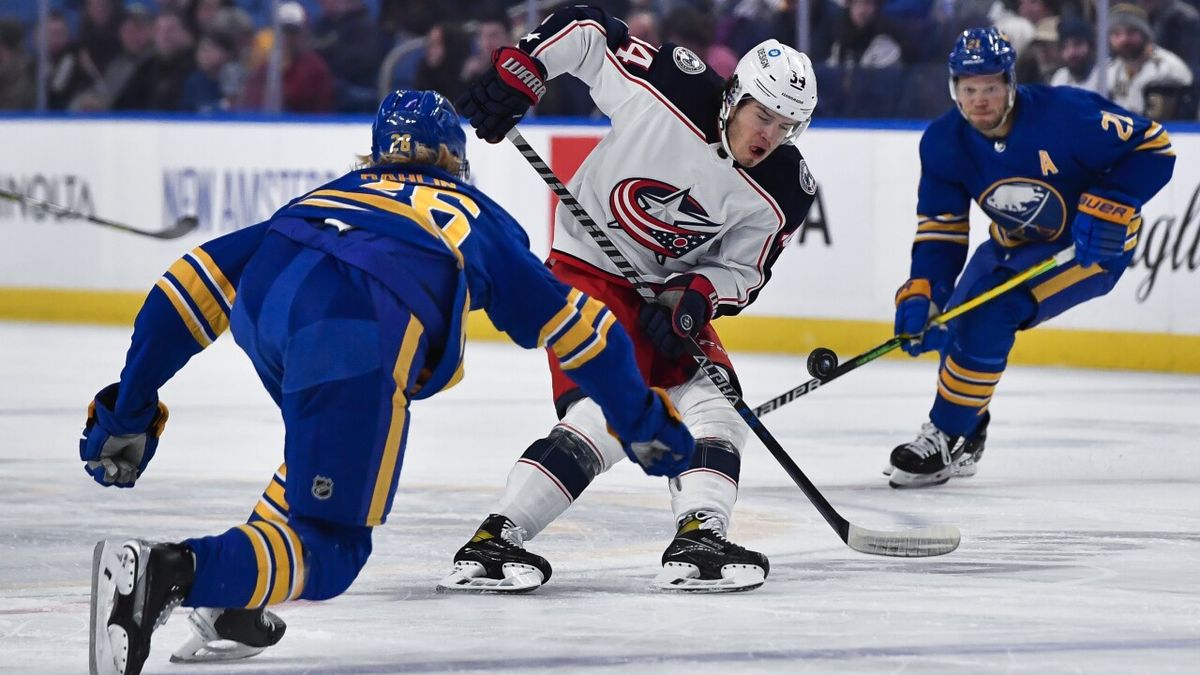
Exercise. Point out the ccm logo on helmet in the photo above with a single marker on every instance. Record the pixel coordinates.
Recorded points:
(526, 77)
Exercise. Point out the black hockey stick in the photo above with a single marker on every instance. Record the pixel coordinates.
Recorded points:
(177, 229)
(821, 359)
(921, 542)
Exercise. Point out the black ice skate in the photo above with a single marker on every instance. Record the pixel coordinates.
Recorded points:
(228, 634)
(701, 559)
(934, 457)
(495, 560)
(135, 587)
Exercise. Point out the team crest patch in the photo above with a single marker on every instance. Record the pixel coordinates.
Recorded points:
(687, 61)
(663, 218)
(322, 487)
(807, 182)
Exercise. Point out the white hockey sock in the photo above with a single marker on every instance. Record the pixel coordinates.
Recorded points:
(532, 498)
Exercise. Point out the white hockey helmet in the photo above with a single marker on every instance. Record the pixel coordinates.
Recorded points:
(777, 76)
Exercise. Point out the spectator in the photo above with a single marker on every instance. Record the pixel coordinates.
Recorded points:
(493, 31)
(643, 25)
(64, 74)
(347, 39)
(98, 39)
(861, 40)
(695, 30)
(135, 34)
(446, 48)
(307, 80)
(1139, 64)
(1038, 63)
(1176, 27)
(1017, 28)
(1035, 11)
(17, 88)
(1077, 51)
(158, 83)
(204, 12)
(213, 84)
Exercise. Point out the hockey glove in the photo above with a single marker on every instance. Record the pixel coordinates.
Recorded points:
(1106, 225)
(499, 98)
(660, 443)
(914, 309)
(116, 451)
(684, 307)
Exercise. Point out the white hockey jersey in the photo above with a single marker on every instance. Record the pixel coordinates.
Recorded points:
(673, 202)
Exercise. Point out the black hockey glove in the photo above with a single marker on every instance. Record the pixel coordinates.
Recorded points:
(116, 451)
(499, 98)
(684, 307)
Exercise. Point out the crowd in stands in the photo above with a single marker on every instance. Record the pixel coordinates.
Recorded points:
(874, 58)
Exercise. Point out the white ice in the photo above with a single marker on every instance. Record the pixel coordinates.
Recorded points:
(1080, 553)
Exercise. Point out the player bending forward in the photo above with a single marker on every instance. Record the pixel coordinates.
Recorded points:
(700, 189)
(1050, 166)
(350, 302)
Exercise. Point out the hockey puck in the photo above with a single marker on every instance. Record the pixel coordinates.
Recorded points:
(822, 362)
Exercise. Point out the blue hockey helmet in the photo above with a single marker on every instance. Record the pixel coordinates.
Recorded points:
(409, 120)
(983, 51)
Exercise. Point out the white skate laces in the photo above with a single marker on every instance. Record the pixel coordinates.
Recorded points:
(513, 533)
(931, 441)
(713, 522)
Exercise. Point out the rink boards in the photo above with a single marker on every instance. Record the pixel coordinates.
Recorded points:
(834, 288)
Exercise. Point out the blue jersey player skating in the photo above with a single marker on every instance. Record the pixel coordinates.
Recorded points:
(1049, 167)
(350, 302)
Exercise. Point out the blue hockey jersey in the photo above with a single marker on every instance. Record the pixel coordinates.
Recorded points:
(1063, 142)
(435, 217)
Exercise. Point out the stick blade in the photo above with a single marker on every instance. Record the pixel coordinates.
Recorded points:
(919, 543)
(179, 228)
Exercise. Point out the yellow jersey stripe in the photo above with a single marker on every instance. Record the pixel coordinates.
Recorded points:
(1154, 128)
(395, 435)
(964, 388)
(331, 204)
(185, 313)
(1073, 275)
(581, 331)
(277, 493)
(214, 272)
(267, 511)
(943, 217)
(283, 568)
(398, 208)
(970, 401)
(934, 226)
(263, 560)
(560, 317)
(597, 345)
(952, 238)
(968, 375)
(1160, 141)
(296, 549)
(213, 311)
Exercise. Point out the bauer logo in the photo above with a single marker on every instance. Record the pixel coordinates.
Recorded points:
(322, 487)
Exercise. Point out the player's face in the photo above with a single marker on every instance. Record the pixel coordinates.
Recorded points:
(755, 132)
(983, 99)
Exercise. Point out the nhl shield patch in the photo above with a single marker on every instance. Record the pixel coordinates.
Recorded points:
(322, 487)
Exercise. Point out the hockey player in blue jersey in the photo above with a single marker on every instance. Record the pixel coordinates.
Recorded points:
(1050, 167)
(350, 302)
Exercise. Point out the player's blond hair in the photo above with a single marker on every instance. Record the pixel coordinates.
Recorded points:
(442, 158)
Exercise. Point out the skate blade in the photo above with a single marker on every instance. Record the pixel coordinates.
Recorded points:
(903, 480)
(469, 576)
(685, 577)
(110, 577)
(199, 650)
(887, 470)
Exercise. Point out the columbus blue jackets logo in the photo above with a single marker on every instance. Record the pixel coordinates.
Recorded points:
(1024, 210)
(663, 218)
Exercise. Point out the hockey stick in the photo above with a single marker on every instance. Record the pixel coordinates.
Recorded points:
(177, 229)
(921, 542)
(1061, 258)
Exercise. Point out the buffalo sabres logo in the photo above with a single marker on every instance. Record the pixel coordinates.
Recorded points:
(661, 217)
(1024, 210)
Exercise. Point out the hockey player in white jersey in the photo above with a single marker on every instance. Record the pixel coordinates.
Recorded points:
(701, 188)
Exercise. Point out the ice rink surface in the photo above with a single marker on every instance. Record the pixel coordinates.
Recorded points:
(1080, 553)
